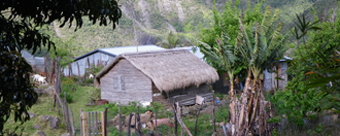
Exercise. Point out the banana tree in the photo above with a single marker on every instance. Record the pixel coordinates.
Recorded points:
(223, 53)
(260, 46)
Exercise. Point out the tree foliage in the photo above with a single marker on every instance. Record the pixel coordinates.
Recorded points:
(169, 41)
(314, 86)
(227, 24)
(20, 25)
(256, 43)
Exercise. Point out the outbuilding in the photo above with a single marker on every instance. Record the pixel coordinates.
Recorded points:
(178, 74)
(102, 56)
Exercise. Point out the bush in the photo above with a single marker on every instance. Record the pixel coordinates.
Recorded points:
(89, 81)
(67, 80)
(95, 95)
(296, 106)
(219, 95)
(69, 97)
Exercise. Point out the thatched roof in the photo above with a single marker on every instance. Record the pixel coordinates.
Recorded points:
(169, 70)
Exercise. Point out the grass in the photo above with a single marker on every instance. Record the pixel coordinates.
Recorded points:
(44, 106)
(80, 97)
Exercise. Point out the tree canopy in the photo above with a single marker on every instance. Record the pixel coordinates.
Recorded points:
(20, 25)
(245, 41)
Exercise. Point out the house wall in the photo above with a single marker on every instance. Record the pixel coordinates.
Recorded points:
(124, 83)
(93, 59)
(187, 96)
(222, 85)
(189, 91)
(269, 78)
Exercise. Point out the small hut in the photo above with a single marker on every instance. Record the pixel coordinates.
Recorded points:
(178, 74)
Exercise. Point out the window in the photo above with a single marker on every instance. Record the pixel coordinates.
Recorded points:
(118, 83)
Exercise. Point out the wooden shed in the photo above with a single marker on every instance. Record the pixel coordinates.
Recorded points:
(137, 76)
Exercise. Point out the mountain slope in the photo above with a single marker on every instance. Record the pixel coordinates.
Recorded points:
(145, 20)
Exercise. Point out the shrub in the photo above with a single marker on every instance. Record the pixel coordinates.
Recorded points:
(89, 81)
(219, 95)
(67, 80)
(69, 97)
(95, 94)
(296, 106)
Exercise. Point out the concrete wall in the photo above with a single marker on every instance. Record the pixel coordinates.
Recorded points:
(124, 83)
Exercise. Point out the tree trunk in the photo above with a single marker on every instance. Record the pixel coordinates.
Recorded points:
(242, 112)
(69, 70)
(232, 105)
(58, 82)
(78, 70)
(45, 70)
(52, 71)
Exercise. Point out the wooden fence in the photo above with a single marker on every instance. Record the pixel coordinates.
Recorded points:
(93, 123)
(67, 113)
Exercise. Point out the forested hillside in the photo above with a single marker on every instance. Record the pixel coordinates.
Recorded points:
(144, 21)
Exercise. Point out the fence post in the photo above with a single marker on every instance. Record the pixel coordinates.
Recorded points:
(129, 123)
(178, 115)
(140, 133)
(65, 111)
(72, 125)
(105, 123)
(93, 124)
(90, 124)
(97, 124)
(214, 113)
(197, 117)
(81, 122)
(175, 123)
(156, 121)
(45, 70)
(120, 120)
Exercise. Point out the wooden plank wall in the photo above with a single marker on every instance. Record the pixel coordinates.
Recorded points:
(124, 83)
(271, 83)
(190, 91)
(187, 96)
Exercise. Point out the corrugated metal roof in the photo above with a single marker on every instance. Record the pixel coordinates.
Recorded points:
(197, 53)
(285, 58)
(200, 55)
(115, 51)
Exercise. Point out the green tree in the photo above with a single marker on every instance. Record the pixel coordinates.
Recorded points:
(256, 43)
(224, 56)
(227, 24)
(20, 22)
(314, 70)
(261, 45)
(169, 41)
